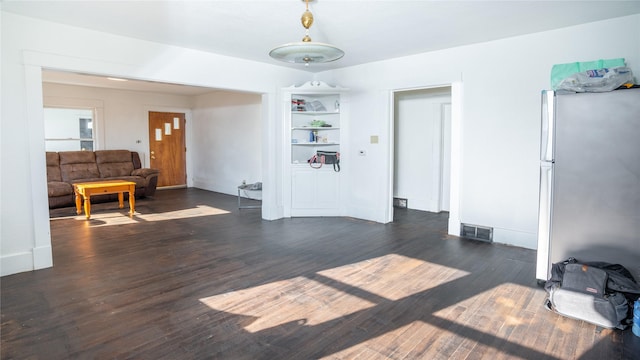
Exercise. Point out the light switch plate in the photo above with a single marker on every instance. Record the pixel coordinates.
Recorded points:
(374, 139)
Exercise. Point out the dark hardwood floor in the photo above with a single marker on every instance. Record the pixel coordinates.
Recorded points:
(193, 277)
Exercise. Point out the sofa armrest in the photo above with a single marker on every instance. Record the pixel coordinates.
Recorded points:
(150, 178)
(145, 172)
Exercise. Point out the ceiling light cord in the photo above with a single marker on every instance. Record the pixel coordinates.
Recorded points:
(307, 21)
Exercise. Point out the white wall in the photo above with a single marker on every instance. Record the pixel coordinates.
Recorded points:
(227, 139)
(29, 45)
(501, 82)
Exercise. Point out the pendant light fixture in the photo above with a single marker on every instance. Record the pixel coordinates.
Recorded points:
(306, 51)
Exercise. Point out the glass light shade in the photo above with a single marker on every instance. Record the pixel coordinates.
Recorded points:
(306, 52)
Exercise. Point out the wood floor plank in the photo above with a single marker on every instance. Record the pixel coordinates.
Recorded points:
(192, 277)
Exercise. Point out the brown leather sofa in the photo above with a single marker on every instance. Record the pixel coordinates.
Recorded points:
(67, 167)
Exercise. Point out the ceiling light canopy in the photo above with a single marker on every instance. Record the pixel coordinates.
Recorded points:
(306, 51)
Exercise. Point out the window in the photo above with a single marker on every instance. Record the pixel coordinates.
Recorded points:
(68, 129)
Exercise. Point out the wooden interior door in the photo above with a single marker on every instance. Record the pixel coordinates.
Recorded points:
(167, 147)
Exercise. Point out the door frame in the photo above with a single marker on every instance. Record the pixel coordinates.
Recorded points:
(431, 145)
(456, 156)
(187, 134)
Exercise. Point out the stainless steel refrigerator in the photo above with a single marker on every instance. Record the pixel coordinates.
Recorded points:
(590, 179)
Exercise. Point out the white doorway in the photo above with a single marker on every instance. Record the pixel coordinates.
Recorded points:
(422, 149)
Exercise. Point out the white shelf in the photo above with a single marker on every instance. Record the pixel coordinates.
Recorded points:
(315, 143)
(304, 122)
(294, 112)
(315, 128)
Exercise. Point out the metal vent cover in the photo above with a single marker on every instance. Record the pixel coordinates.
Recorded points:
(476, 232)
(400, 203)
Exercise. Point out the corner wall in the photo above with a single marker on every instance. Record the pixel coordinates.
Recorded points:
(227, 141)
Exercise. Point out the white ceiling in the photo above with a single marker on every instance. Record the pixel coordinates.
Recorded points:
(366, 30)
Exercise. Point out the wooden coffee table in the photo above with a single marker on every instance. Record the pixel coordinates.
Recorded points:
(85, 190)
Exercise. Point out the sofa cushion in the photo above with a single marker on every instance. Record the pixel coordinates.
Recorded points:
(135, 158)
(78, 165)
(144, 172)
(79, 181)
(59, 188)
(114, 163)
(53, 167)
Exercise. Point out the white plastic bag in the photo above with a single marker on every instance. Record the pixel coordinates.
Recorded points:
(600, 80)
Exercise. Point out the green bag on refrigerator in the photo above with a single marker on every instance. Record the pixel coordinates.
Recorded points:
(560, 72)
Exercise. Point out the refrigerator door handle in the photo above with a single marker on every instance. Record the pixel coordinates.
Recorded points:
(544, 222)
(548, 126)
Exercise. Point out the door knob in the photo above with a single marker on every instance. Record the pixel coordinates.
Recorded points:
(153, 152)
(153, 157)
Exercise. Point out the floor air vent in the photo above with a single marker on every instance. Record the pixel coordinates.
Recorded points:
(476, 232)
(400, 203)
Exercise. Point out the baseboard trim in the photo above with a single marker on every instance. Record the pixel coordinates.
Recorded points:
(515, 238)
(16, 263)
(42, 257)
(38, 258)
(172, 187)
